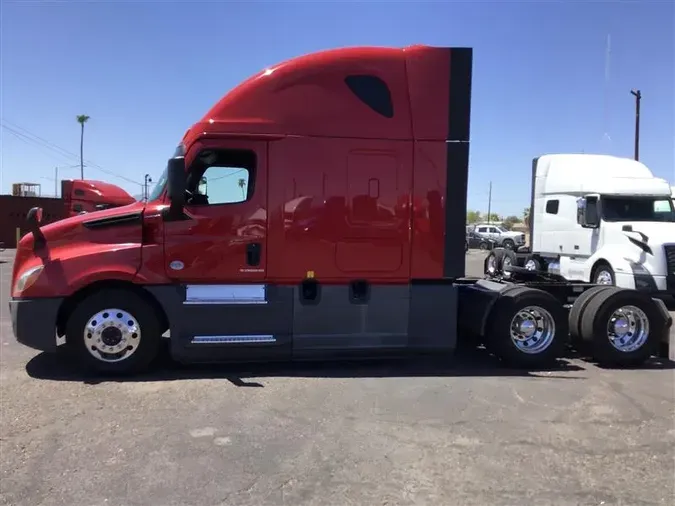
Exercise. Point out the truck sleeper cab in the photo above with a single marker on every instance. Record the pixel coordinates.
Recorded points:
(313, 212)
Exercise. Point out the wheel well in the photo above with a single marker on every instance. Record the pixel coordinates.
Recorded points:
(71, 302)
(597, 264)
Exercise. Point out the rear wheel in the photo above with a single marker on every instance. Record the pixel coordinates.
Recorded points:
(113, 331)
(578, 310)
(623, 327)
(492, 262)
(528, 328)
(509, 244)
(483, 245)
(508, 260)
(533, 263)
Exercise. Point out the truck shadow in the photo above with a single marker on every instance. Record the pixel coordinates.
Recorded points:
(472, 362)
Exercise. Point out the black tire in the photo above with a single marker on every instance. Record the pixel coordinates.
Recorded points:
(596, 317)
(603, 267)
(577, 312)
(508, 256)
(538, 265)
(129, 302)
(483, 246)
(495, 254)
(498, 332)
(466, 246)
(508, 244)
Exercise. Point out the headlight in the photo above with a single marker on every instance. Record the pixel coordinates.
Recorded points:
(27, 279)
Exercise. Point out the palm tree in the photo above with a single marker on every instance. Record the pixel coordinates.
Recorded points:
(242, 185)
(82, 119)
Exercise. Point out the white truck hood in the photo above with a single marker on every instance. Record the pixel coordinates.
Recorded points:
(657, 233)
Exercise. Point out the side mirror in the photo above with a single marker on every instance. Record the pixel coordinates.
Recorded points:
(33, 220)
(587, 212)
(176, 184)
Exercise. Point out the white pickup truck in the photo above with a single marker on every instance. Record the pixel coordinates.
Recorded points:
(501, 237)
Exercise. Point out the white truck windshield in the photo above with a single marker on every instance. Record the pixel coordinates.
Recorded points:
(637, 209)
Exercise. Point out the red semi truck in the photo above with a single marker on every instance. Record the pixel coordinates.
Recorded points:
(86, 196)
(339, 233)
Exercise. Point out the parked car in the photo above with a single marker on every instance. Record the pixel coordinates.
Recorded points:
(501, 237)
(476, 241)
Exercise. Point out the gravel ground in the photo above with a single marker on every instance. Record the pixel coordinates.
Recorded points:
(374, 434)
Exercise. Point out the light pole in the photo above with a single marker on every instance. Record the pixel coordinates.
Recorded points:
(638, 97)
(147, 180)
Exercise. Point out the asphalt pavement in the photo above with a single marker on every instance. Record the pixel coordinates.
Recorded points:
(437, 433)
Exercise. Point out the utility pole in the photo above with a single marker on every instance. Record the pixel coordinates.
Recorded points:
(638, 97)
(489, 203)
(56, 182)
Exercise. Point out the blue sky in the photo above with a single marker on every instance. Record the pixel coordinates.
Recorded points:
(145, 71)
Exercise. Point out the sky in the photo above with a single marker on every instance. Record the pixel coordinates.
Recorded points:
(548, 77)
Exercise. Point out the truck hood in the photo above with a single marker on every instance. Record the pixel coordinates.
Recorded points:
(657, 233)
(80, 250)
(69, 228)
(96, 227)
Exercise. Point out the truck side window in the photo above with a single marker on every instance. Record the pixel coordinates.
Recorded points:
(552, 206)
(221, 176)
(79, 193)
(482, 230)
(225, 185)
(373, 92)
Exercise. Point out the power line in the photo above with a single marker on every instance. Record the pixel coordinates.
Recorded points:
(31, 142)
(26, 135)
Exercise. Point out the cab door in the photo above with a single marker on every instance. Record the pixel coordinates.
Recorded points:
(217, 257)
(224, 236)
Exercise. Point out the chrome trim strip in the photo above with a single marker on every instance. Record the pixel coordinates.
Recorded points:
(223, 302)
(225, 294)
(233, 339)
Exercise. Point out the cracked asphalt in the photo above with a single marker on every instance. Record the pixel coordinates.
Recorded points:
(433, 433)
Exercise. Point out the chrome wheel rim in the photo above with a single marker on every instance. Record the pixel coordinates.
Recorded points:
(531, 265)
(628, 328)
(112, 335)
(492, 264)
(603, 278)
(507, 263)
(532, 330)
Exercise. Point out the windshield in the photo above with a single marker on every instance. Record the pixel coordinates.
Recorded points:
(159, 187)
(161, 182)
(502, 230)
(637, 209)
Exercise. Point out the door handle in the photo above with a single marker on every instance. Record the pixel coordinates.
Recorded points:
(253, 254)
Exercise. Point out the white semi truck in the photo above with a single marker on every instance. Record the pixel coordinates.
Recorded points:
(599, 219)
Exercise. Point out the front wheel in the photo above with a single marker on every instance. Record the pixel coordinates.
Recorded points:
(113, 331)
(604, 275)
